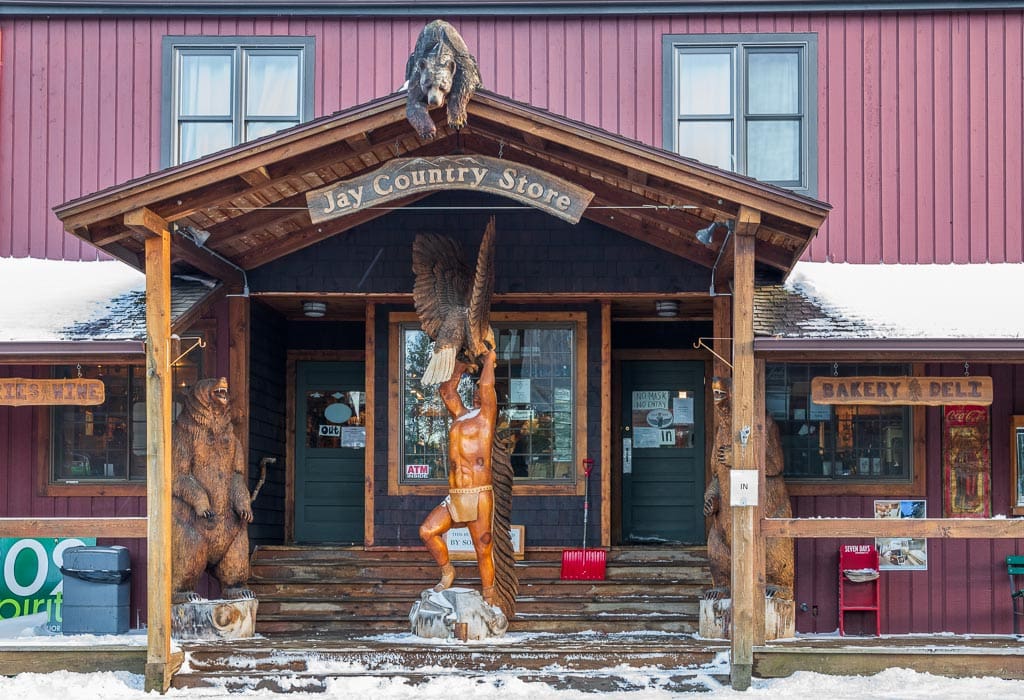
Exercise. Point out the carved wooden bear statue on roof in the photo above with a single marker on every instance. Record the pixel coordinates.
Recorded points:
(439, 69)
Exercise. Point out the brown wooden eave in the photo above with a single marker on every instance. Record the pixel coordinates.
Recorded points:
(251, 198)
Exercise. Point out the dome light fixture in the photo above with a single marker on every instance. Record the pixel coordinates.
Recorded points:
(314, 309)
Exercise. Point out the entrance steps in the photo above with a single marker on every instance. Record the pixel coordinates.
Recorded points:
(589, 662)
(328, 590)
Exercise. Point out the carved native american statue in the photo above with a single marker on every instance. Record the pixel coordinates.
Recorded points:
(440, 68)
(779, 551)
(454, 310)
(211, 502)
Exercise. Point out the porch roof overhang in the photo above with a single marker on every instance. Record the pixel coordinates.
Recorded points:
(251, 199)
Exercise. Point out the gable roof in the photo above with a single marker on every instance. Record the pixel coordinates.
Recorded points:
(251, 199)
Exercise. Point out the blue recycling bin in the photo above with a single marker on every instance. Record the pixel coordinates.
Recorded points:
(97, 582)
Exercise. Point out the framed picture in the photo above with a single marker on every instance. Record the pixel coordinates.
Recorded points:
(901, 553)
(1017, 465)
(966, 462)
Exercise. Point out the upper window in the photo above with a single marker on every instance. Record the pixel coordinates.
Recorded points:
(839, 442)
(746, 103)
(222, 91)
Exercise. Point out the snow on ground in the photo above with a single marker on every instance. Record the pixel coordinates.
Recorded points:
(442, 684)
(54, 294)
(923, 301)
(893, 684)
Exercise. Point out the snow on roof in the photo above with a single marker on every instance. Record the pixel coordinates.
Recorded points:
(830, 300)
(62, 300)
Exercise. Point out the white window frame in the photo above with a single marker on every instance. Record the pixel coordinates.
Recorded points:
(239, 48)
(739, 46)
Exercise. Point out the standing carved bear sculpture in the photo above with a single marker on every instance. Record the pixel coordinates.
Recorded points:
(440, 68)
(779, 551)
(211, 504)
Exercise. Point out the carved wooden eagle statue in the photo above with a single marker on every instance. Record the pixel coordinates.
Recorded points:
(452, 302)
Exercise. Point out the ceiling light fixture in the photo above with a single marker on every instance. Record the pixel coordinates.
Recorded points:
(314, 309)
(667, 308)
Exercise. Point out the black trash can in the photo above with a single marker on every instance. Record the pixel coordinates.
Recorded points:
(96, 590)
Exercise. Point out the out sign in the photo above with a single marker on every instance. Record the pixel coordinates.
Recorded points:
(743, 487)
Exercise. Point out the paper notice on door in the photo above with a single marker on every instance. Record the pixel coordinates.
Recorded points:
(646, 437)
(682, 411)
(627, 456)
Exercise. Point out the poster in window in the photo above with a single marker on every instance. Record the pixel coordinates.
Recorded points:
(901, 553)
(1017, 465)
(654, 420)
(966, 462)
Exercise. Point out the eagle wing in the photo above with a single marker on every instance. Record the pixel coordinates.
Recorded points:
(480, 332)
(440, 294)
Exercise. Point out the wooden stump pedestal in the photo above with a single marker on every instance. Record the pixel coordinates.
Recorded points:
(716, 618)
(214, 619)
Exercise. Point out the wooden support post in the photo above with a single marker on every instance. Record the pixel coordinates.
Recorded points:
(371, 404)
(158, 459)
(744, 522)
(760, 437)
(606, 423)
(721, 314)
(238, 368)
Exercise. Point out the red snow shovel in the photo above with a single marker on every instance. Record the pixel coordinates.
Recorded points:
(584, 564)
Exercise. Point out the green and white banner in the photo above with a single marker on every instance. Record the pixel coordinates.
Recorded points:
(30, 577)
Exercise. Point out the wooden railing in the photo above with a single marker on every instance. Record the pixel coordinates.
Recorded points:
(942, 528)
(73, 527)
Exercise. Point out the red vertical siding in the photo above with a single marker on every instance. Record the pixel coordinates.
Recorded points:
(19, 455)
(965, 588)
(919, 114)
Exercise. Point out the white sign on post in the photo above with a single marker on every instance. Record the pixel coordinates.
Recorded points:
(743, 487)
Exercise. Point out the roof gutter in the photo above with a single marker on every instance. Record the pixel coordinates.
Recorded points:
(60, 351)
(923, 349)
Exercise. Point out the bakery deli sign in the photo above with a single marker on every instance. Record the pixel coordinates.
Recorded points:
(920, 391)
(404, 177)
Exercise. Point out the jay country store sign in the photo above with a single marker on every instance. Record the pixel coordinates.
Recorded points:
(405, 177)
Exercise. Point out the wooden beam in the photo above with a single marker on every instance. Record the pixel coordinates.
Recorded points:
(257, 177)
(606, 423)
(238, 369)
(185, 250)
(145, 221)
(744, 421)
(314, 234)
(73, 527)
(939, 528)
(158, 452)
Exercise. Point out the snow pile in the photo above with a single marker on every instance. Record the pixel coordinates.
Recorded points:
(41, 297)
(922, 301)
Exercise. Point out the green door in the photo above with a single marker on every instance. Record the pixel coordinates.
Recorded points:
(330, 441)
(662, 452)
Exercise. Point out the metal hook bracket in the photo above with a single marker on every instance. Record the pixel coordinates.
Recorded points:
(200, 343)
(701, 344)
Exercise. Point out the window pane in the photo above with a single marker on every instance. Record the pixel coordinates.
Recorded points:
(205, 86)
(90, 443)
(708, 142)
(705, 83)
(335, 418)
(273, 86)
(773, 83)
(197, 139)
(773, 150)
(255, 130)
(535, 386)
(845, 442)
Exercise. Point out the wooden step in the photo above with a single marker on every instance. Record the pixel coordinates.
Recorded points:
(326, 590)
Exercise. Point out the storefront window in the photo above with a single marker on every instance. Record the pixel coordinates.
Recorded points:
(107, 443)
(535, 384)
(838, 442)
